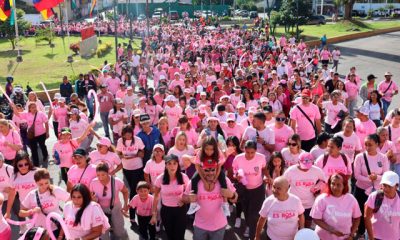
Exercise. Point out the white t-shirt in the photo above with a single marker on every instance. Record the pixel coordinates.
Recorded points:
(154, 169)
(23, 184)
(332, 111)
(374, 110)
(130, 149)
(117, 128)
(350, 145)
(267, 134)
(110, 158)
(6, 174)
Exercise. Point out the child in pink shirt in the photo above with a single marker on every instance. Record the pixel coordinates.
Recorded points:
(143, 203)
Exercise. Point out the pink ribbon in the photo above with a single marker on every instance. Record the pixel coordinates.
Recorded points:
(93, 94)
(56, 216)
(19, 223)
(47, 94)
(5, 94)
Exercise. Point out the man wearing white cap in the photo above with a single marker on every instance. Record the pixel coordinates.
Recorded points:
(387, 89)
(240, 115)
(364, 125)
(177, 81)
(236, 96)
(382, 209)
(172, 111)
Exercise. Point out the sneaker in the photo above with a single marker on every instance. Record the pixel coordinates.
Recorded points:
(238, 222)
(225, 209)
(158, 226)
(133, 224)
(246, 233)
(194, 207)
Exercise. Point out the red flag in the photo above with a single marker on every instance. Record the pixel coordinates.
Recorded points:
(41, 5)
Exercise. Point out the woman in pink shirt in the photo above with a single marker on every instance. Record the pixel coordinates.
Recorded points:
(10, 141)
(165, 133)
(117, 118)
(282, 131)
(81, 171)
(169, 187)
(181, 148)
(276, 166)
(386, 146)
(352, 90)
(39, 120)
(130, 149)
(106, 190)
(46, 198)
(249, 169)
(155, 166)
(351, 142)
(60, 114)
(83, 217)
(336, 213)
(369, 167)
(292, 152)
(135, 121)
(78, 126)
(382, 209)
(185, 126)
(106, 153)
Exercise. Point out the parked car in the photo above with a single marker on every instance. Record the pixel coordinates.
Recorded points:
(156, 15)
(244, 13)
(141, 17)
(316, 19)
(173, 15)
(207, 13)
(197, 13)
(253, 14)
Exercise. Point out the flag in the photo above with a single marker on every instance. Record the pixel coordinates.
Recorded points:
(12, 18)
(41, 5)
(92, 7)
(5, 9)
(73, 5)
(46, 14)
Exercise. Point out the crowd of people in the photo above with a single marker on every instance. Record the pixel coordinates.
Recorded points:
(205, 124)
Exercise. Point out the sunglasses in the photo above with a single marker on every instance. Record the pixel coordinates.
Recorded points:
(306, 98)
(105, 191)
(305, 161)
(280, 119)
(292, 144)
(210, 170)
(23, 165)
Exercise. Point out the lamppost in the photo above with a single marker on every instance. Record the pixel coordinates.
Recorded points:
(115, 30)
(147, 17)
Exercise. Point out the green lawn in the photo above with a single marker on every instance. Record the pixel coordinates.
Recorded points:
(42, 63)
(311, 32)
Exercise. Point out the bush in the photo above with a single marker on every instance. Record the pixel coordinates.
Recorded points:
(253, 8)
(103, 49)
(226, 18)
(74, 47)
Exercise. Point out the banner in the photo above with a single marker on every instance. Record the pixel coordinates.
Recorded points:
(87, 33)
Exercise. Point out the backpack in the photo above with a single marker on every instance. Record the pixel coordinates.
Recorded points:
(326, 159)
(379, 199)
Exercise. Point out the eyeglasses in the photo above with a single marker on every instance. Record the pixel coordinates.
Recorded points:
(23, 165)
(306, 98)
(280, 119)
(210, 170)
(305, 161)
(292, 144)
(105, 191)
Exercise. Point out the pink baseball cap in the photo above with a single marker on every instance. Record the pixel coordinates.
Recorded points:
(104, 141)
(306, 160)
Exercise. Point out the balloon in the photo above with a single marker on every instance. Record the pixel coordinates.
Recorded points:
(47, 94)
(57, 217)
(306, 234)
(93, 94)
(19, 223)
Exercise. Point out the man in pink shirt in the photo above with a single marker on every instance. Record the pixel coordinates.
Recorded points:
(106, 102)
(387, 89)
(364, 125)
(306, 121)
(210, 220)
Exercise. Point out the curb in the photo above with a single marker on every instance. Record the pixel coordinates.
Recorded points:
(354, 36)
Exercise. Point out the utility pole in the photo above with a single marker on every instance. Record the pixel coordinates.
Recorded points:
(19, 57)
(147, 18)
(116, 30)
(297, 21)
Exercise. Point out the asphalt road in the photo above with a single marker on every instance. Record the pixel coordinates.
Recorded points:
(370, 55)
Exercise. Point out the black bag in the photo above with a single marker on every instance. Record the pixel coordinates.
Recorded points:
(31, 129)
(58, 225)
(308, 118)
(109, 215)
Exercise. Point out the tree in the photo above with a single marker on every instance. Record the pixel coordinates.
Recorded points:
(348, 9)
(9, 30)
(294, 13)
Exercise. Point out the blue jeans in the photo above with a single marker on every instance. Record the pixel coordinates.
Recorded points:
(352, 106)
(385, 106)
(104, 120)
(201, 234)
(396, 168)
(89, 104)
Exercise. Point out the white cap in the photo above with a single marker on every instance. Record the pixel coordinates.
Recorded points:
(224, 97)
(306, 234)
(364, 110)
(136, 113)
(162, 77)
(170, 98)
(57, 95)
(240, 105)
(264, 100)
(390, 178)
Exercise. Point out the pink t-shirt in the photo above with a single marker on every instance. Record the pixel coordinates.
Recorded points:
(351, 89)
(110, 158)
(316, 151)
(23, 184)
(237, 131)
(78, 128)
(143, 208)
(210, 216)
(378, 164)
(290, 158)
(130, 149)
(173, 115)
(301, 183)
(172, 193)
(253, 169)
(80, 175)
(97, 188)
(6, 174)
(154, 169)
(395, 138)
(13, 138)
(92, 216)
(334, 165)
(113, 84)
(117, 128)
(386, 222)
(60, 113)
(41, 119)
(281, 136)
(363, 129)
(382, 86)
(188, 151)
(332, 111)
(336, 212)
(65, 151)
(50, 203)
(350, 145)
(282, 217)
(303, 126)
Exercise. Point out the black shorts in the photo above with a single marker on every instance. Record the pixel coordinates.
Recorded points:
(307, 214)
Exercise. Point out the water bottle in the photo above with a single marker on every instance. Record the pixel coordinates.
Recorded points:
(57, 158)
